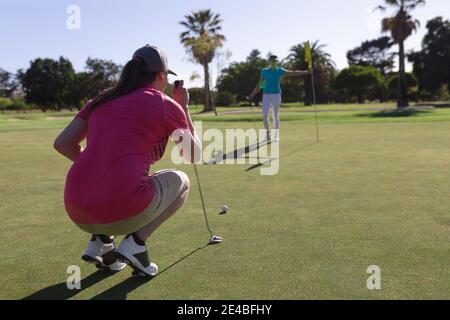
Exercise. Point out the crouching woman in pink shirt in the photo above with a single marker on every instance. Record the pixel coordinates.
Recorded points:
(109, 190)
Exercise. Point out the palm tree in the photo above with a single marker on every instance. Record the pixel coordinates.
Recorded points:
(324, 67)
(201, 39)
(401, 25)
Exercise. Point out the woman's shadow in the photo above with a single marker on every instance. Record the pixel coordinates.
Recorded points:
(118, 292)
(61, 292)
(121, 290)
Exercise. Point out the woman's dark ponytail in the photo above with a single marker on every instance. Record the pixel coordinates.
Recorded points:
(133, 76)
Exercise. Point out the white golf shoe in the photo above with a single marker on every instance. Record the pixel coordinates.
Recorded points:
(102, 255)
(276, 135)
(136, 256)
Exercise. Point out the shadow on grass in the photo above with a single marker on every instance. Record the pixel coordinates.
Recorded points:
(236, 154)
(269, 160)
(120, 291)
(60, 291)
(396, 113)
(436, 105)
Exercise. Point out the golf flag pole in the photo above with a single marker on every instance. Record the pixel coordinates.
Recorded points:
(308, 60)
(315, 106)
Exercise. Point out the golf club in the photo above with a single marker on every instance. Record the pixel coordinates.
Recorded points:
(252, 113)
(213, 239)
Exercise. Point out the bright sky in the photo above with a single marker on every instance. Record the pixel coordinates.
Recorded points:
(113, 29)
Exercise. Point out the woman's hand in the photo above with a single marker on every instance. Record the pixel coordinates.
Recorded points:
(252, 95)
(180, 94)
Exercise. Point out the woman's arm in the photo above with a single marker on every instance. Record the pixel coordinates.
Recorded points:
(256, 90)
(297, 73)
(196, 148)
(188, 142)
(181, 95)
(68, 142)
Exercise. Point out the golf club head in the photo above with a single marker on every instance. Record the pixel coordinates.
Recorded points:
(215, 240)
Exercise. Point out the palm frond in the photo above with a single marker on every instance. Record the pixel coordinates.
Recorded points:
(412, 4)
(202, 37)
(387, 24)
(393, 2)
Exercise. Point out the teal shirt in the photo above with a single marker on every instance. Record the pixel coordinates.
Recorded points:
(272, 79)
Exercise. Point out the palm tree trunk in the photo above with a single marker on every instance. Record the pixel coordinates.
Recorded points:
(360, 97)
(402, 100)
(207, 98)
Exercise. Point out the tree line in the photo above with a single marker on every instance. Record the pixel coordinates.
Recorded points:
(369, 77)
(54, 84)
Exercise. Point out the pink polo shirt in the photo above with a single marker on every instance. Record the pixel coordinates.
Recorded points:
(110, 182)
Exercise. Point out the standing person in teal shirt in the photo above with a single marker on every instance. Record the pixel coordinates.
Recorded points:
(270, 79)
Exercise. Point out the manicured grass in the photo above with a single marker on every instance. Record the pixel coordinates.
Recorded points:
(374, 191)
(326, 114)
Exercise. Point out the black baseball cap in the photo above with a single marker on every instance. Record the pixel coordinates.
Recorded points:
(155, 59)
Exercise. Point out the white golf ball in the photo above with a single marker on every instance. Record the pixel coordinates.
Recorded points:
(225, 208)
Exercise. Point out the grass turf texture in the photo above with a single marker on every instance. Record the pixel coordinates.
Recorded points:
(374, 191)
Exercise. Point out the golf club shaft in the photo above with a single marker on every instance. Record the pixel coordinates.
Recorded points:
(201, 198)
(253, 120)
(253, 114)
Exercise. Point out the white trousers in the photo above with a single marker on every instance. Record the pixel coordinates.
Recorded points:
(273, 100)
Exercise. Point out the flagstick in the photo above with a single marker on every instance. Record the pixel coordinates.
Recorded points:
(315, 106)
